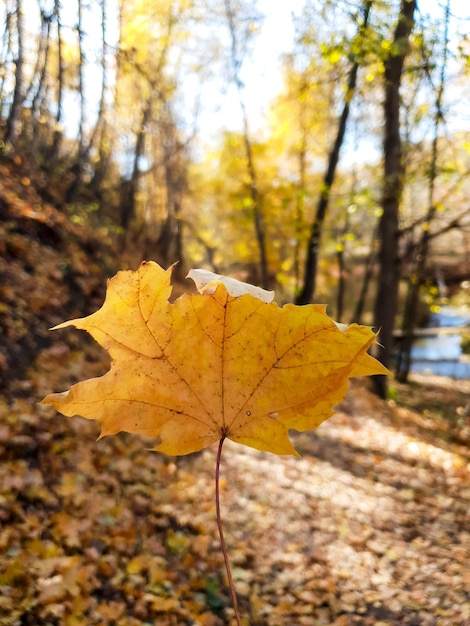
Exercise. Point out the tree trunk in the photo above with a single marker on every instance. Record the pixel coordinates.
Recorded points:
(258, 217)
(170, 242)
(421, 252)
(57, 137)
(79, 166)
(130, 187)
(301, 183)
(386, 302)
(100, 118)
(342, 239)
(13, 126)
(37, 93)
(4, 52)
(368, 274)
(313, 246)
(100, 133)
(37, 77)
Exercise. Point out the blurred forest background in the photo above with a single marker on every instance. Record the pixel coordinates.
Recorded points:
(319, 148)
(328, 159)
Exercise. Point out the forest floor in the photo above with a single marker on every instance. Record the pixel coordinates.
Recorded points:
(370, 526)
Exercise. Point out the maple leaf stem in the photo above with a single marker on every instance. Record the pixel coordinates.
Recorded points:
(221, 533)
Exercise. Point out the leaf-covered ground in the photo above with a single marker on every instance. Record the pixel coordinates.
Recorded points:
(370, 527)
(51, 269)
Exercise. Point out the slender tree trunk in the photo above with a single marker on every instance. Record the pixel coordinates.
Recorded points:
(78, 168)
(5, 51)
(57, 136)
(256, 199)
(35, 82)
(386, 303)
(13, 126)
(81, 86)
(340, 250)
(100, 118)
(368, 274)
(421, 252)
(37, 96)
(341, 281)
(130, 187)
(301, 183)
(313, 246)
(100, 132)
(170, 242)
(341, 244)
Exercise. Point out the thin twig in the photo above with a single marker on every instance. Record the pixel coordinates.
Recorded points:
(221, 534)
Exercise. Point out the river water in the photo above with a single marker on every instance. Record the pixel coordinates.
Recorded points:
(441, 354)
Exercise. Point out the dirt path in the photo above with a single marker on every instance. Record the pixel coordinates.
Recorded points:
(370, 527)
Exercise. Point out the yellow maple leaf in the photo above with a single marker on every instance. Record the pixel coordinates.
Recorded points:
(213, 365)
